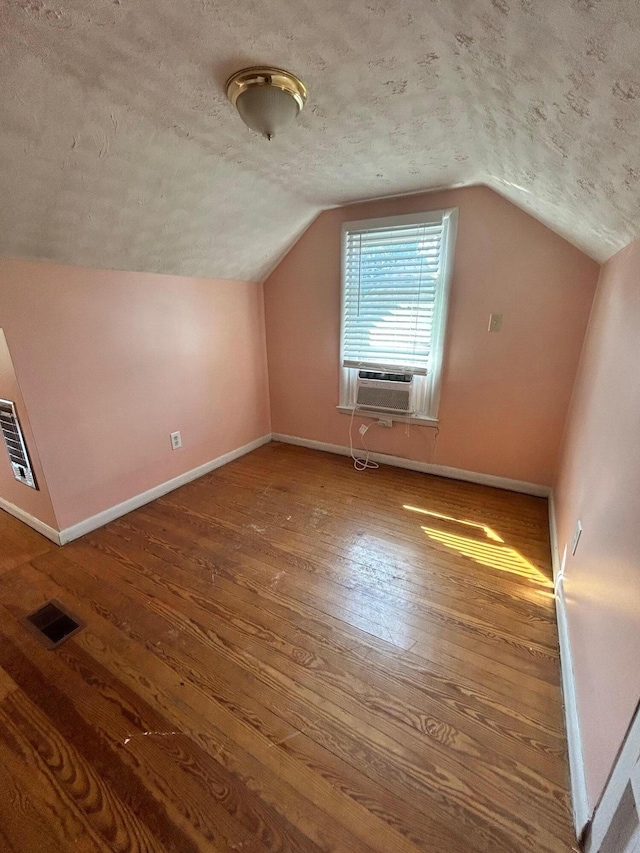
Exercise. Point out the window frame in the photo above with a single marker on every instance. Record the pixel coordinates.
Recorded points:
(427, 388)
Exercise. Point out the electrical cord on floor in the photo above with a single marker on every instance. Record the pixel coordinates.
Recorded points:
(358, 463)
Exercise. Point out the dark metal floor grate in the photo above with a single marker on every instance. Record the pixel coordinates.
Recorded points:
(52, 623)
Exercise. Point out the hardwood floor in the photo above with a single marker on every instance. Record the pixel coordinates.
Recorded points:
(289, 655)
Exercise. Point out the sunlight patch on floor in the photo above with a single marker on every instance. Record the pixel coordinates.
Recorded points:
(495, 553)
(491, 534)
(500, 557)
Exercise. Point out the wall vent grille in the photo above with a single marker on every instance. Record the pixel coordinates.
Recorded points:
(14, 442)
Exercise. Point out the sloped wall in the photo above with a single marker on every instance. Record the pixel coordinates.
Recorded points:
(504, 396)
(110, 363)
(599, 484)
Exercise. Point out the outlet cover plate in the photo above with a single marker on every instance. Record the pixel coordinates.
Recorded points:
(495, 322)
(576, 537)
(176, 440)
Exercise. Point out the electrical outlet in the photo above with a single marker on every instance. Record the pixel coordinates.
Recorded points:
(576, 537)
(363, 429)
(495, 322)
(176, 440)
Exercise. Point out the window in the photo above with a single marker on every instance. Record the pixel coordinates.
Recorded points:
(395, 283)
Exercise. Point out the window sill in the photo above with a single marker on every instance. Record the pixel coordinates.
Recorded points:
(420, 420)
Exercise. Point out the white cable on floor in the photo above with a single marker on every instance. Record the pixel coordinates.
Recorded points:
(358, 463)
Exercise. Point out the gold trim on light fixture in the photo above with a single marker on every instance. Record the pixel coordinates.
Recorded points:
(266, 75)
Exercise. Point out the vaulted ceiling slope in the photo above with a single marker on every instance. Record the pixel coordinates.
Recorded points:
(118, 147)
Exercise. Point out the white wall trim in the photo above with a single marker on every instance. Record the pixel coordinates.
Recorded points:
(581, 815)
(107, 515)
(366, 414)
(424, 467)
(626, 770)
(579, 799)
(553, 535)
(31, 520)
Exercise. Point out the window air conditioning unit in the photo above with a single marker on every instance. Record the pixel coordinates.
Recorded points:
(385, 392)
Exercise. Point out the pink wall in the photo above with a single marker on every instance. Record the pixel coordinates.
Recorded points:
(111, 362)
(599, 484)
(504, 396)
(36, 503)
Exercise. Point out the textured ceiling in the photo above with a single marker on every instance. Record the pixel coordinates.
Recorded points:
(119, 149)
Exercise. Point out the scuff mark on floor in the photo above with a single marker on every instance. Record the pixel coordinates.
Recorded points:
(149, 734)
(276, 579)
(288, 737)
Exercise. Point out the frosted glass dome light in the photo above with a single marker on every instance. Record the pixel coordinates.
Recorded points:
(267, 99)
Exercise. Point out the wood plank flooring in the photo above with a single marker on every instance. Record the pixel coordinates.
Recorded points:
(289, 655)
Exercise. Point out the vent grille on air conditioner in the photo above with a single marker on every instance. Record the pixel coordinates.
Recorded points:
(12, 434)
(384, 396)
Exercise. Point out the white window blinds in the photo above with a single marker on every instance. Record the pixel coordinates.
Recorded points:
(392, 276)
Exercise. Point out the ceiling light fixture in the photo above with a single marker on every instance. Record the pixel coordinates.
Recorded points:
(267, 98)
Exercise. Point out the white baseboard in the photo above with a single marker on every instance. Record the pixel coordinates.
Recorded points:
(424, 467)
(553, 535)
(31, 520)
(107, 515)
(625, 774)
(581, 815)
